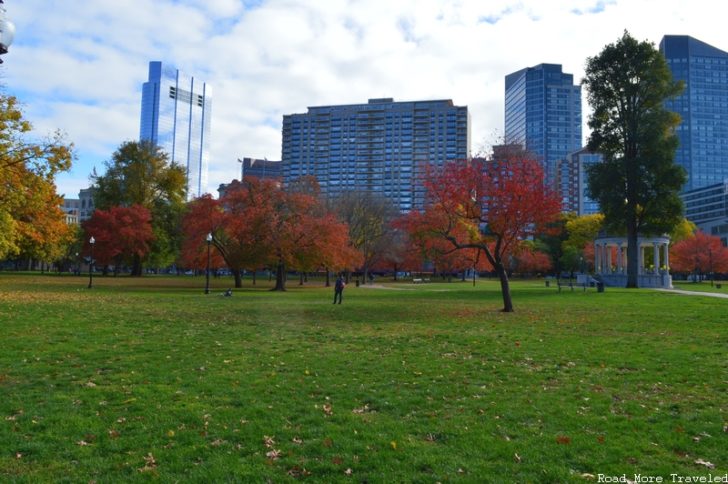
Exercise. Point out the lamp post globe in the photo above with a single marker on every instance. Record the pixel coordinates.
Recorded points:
(207, 271)
(91, 242)
(7, 31)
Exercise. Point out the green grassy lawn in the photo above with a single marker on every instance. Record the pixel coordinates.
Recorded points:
(149, 379)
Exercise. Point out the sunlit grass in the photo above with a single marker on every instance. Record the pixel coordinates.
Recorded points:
(149, 378)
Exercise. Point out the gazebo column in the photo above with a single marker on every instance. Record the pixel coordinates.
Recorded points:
(641, 259)
(667, 256)
(656, 258)
(608, 249)
(597, 268)
(620, 261)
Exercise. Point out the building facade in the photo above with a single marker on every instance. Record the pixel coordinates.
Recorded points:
(382, 146)
(543, 113)
(707, 207)
(176, 111)
(571, 182)
(703, 106)
(263, 169)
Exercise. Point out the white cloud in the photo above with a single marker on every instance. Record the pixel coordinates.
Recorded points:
(79, 66)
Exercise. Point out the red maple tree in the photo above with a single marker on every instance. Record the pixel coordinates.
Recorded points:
(257, 224)
(490, 205)
(530, 261)
(122, 236)
(701, 254)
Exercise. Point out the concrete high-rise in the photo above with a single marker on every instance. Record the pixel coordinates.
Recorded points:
(176, 111)
(382, 146)
(543, 113)
(703, 106)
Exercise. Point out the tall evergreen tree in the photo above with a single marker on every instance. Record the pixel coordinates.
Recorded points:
(140, 173)
(637, 185)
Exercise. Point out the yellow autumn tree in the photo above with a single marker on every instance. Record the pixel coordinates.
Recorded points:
(32, 223)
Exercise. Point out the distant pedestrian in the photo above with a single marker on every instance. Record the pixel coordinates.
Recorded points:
(339, 289)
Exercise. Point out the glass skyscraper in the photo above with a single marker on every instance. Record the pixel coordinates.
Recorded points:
(382, 146)
(176, 116)
(571, 182)
(703, 106)
(543, 114)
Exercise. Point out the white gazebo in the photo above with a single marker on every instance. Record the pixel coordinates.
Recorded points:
(654, 273)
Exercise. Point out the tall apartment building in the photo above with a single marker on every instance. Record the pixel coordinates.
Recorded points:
(703, 105)
(543, 113)
(707, 207)
(382, 146)
(176, 111)
(571, 182)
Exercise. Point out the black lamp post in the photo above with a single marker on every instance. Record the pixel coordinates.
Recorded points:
(7, 31)
(91, 241)
(77, 270)
(710, 256)
(207, 272)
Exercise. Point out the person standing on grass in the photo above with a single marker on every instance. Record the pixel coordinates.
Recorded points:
(339, 288)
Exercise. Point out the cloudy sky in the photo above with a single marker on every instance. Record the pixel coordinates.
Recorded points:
(78, 65)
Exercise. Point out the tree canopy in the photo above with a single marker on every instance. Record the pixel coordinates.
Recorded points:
(638, 182)
(140, 173)
(489, 205)
(257, 224)
(32, 223)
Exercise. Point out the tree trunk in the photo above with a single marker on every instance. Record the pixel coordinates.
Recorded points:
(395, 272)
(136, 270)
(632, 257)
(254, 277)
(237, 274)
(505, 288)
(280, 277)
(300, 278)
(328, 278)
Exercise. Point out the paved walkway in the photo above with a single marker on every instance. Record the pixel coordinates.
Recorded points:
(695, 293)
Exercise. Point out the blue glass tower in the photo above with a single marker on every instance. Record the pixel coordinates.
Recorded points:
(382, 146)
(176, 116)
(543, 113)
(703, 106)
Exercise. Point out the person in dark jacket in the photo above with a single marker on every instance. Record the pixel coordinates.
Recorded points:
(339, 288)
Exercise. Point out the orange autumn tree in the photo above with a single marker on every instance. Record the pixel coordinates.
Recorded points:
(491, 205)
(701, 253)
(123, 235)
(258, 223)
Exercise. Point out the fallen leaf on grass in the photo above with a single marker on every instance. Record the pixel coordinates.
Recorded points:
(90, 384)
(113, 434)
(273, 454)
(82, 443)
(150, 463)
(707, 464)
(18, 455)
(297, 441)
(328, 442)
(217, 442)
(393, 444)
(586, 475)
(268, 441)
(348, 471)
(563, 440)
(363, 409)
(517, 458)
(328, 410)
